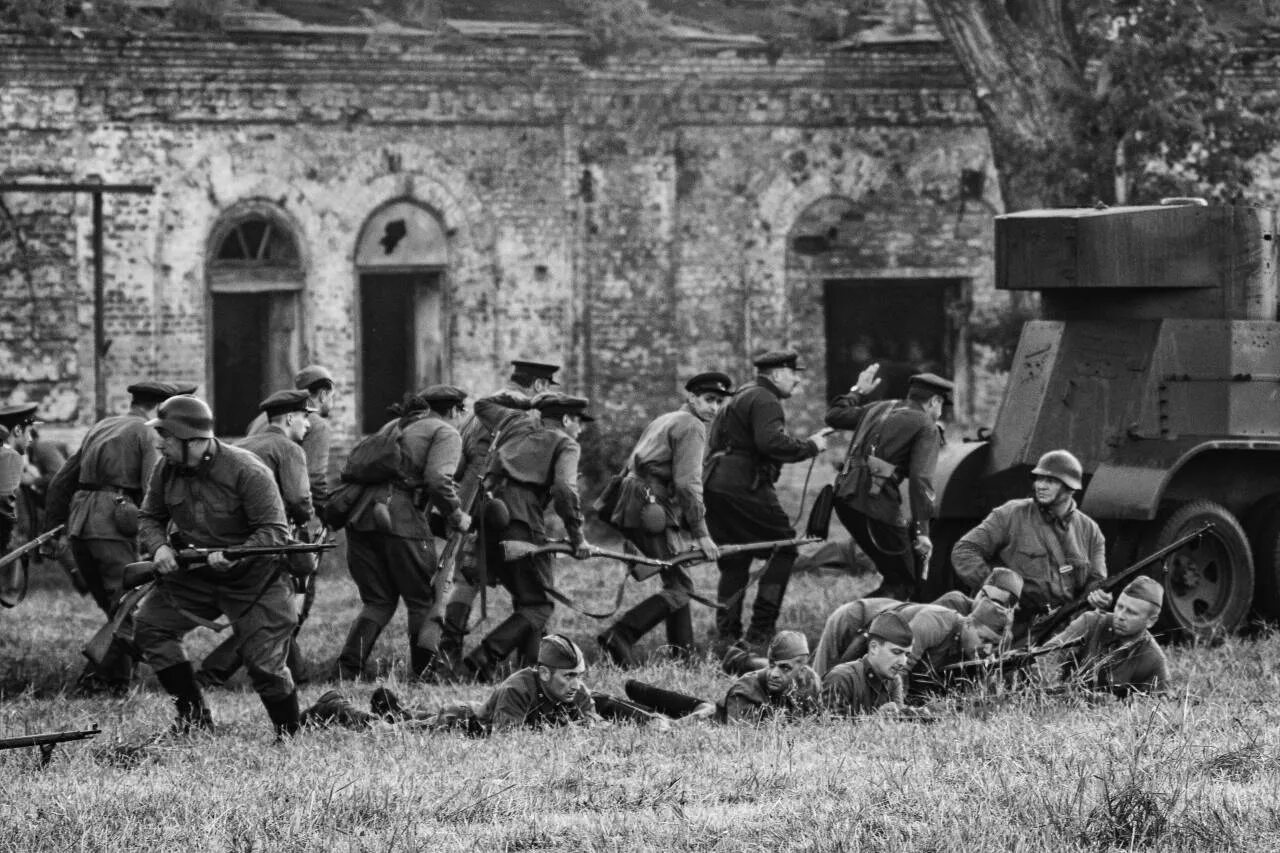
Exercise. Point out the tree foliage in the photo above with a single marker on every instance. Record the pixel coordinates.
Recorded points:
(1111, 100)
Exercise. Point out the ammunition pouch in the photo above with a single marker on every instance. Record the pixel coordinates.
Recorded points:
(881, 473)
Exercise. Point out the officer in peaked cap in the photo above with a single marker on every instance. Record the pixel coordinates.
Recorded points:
(554, 405)
(528, 379)
(748, 444)
(391, 550)
(278, 446)
(659, 509)
(1116, 651)
(97, 494)
(318, 382)
(894, 441)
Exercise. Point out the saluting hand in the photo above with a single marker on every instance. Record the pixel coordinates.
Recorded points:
(166, 560)
(868, 381)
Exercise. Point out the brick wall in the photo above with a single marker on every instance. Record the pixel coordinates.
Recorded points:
(630, 221)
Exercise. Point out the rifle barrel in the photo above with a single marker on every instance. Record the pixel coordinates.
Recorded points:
(47, 738)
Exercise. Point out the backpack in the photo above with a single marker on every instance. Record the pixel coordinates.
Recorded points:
(376, 459)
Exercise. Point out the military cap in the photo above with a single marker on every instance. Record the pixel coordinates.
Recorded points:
(311, 376)
(778, 358)
(710, 383)
(160, 391)
(184, 417)
(535, 370)
(442, 394)
(992, 615)
(554, 405)
(557, 651)
(289, 400)
(1006, 579)
(1146, 589)
(12, 417)
(945, 388)
(892, 628)
(787, 645)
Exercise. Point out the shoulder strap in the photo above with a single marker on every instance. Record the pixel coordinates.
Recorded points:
(862, 444)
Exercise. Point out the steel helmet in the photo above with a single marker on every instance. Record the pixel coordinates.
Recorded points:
(184, 417)
(1062, 465)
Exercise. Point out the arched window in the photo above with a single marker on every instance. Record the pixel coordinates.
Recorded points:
(255, 277)
(401, 258)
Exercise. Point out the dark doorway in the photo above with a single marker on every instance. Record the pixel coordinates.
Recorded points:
(401, 340)
(902, 324)
(240, 326)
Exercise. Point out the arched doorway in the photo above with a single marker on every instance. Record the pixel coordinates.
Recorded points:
(401, 259)
(255, 277)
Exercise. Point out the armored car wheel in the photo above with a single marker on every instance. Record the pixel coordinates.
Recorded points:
(1209, 582)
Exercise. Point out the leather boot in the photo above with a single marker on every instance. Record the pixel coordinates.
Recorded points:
(284, 714)
(680, 632)
(456, 616)
(355, 651)
(633, 625)
(478, 665)
(179, 681)
(422, 662)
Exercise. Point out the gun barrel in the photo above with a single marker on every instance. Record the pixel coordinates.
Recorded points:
(27, 547)
(47, 738)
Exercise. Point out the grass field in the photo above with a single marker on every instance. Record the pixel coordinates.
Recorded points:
(1197, 770)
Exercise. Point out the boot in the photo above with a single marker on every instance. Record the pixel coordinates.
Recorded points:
(422, 662)
(456, 616)
(355, 651)
(478, 665)
(633, 625)
(680, 632)
(284, 714)
(179, 681)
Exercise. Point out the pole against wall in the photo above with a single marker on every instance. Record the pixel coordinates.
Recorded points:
(97, 189)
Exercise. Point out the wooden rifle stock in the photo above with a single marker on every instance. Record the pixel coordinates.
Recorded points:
(136, 574)
(700, 556)
(515, 550)
(1049, 624)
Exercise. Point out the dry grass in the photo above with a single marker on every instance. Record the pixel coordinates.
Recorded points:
(1198, 770)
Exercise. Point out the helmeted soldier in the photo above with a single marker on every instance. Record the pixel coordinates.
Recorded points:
(390, 549)
(893, 441)
(317, 381)
(534, 466)
(873, 681)
(278, 446)
(528, 379)
(1057, 549)
(1117, 652)
(660, 508)
(748, 444)
(207, 494)
(15, 425)
(100, 489)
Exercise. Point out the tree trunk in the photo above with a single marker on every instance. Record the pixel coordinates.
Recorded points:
(1025, 80)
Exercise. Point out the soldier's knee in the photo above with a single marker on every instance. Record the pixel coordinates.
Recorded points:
(675, 598)
(537, 615)
(379, 614)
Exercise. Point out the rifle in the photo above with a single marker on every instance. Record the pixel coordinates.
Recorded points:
(515, 550)
(1013, 659)
(136, 574)
(12, 594)
(47, 741)
(96, 649)
(1050, 623)
(433, 632)
(699, 556)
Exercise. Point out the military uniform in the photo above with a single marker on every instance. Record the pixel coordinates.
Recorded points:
(390, 548)
(1059, 558)
(1109, 662)
(229, 499)
(843, 637)
(854, 688)
(869, 505)
(288, 465)
(535, 466)
(12, 466)
(748, 444)
(664, 478)
(938, 642)
(316, 443)
(477, 441)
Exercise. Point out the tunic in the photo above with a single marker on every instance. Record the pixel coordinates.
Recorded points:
(749, 699)
(1109, 662)
(521, 702)
(289, 465)
(117, 458)
(667, 463)
(315, 447)
(854, 688)
(430, 448)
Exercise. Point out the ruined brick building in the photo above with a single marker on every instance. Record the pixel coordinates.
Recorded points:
(408, 207)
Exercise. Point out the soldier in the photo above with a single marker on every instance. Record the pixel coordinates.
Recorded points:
(749, 444)
(786, 688)
(535, 466)
(1117, 652)
(318, 383)
(546, 695)
(893, 441)
(943, 637)
(15, 423)
(844, 634)
(873, 682)
(204, 493)
(528, 379)
(390, 547)
(1003, 586)
(278, 446)
(664, 479)
(1059, 552)
(104, 481)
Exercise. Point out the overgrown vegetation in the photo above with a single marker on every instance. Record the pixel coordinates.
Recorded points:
(50, 18)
